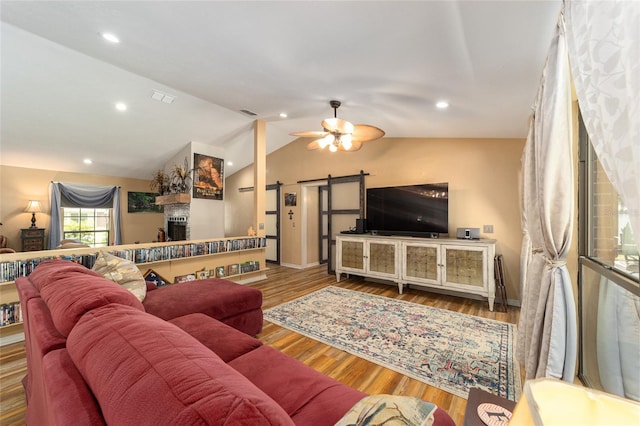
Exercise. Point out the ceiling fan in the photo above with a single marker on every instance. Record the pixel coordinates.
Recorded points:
(340, 134)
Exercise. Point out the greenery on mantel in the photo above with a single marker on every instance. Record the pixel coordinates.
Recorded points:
(177, 181)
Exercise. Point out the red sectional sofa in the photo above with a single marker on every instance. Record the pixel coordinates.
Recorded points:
(96, 355)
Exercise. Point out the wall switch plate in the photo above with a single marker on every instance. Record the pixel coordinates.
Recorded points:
(488, 229)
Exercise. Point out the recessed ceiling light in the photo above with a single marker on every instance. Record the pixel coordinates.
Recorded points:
(283, 115)
(229, 163)
(121, 106)
(442, 105)
(87, 161)
(110, 38)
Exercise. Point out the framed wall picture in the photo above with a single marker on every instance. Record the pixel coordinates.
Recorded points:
(202, 274)
(220, 272)
(143, 202)
(234, 269)
(290, 199)
(208, 177)
(185, 278)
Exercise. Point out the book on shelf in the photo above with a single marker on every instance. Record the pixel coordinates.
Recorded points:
(10, 313)
(9, 271)
(250, 266)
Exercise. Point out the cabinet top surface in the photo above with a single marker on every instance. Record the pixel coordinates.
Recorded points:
(22, 255)
(418, 239)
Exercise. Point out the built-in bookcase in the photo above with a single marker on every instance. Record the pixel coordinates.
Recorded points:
(169, 259)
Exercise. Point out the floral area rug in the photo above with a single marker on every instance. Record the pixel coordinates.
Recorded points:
(448, 350)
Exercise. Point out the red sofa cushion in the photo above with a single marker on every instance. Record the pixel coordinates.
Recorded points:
(321, 399)
(144, 370)
(227, 342)
(234, 304)
(217, 298)
(50, 270)
(75, 290)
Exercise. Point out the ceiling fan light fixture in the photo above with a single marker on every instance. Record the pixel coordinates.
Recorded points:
(326, 141)
(339, 134)
(345, 141)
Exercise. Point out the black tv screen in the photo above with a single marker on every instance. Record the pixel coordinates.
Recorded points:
(410, 210)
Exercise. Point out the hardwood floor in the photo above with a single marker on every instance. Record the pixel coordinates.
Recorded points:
(285, 284)
(13, 367)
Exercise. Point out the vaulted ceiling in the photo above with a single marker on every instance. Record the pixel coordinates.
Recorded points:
(389, 62)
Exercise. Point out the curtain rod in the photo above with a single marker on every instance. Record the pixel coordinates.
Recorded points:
(53, 181)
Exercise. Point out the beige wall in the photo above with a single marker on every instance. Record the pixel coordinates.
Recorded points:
(482, 175)
(19, 185)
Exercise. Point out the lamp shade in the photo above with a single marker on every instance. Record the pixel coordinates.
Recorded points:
(33, 207)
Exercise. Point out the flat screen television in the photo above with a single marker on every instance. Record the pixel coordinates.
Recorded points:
(410, 210)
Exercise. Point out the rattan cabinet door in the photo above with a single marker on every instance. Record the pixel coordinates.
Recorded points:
(465, 267)
(352, 255)
(382, 259)
(421, 263)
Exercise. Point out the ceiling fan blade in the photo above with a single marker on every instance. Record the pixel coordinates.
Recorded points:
(366, 133)
(314, 145)
(337, 125)
(310, 134)
(355, 145)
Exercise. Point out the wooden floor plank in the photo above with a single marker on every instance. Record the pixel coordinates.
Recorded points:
(283, 285)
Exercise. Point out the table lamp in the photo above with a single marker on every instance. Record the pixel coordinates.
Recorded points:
(33, 207)
(553, 402)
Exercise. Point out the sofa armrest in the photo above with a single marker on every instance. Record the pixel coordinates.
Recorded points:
(68, 400)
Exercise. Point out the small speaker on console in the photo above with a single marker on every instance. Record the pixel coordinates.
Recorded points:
(361, 226)
(468, 233)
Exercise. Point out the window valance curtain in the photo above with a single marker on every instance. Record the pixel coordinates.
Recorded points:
(78, 195)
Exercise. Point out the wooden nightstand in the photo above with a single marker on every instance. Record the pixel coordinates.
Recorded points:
(32, 239)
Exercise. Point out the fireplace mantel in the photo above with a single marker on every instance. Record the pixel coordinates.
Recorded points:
(182, 198)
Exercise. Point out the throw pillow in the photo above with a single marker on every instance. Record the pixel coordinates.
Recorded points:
(379, 409)
(123, 272)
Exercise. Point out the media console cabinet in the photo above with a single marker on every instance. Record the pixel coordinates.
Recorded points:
(462, 266)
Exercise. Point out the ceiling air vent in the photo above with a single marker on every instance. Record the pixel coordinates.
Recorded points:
(248, 112)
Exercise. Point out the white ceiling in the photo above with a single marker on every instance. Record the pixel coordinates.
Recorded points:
(388, 61)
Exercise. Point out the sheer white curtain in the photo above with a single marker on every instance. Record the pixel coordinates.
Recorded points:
(603, 39)
(547, 336)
